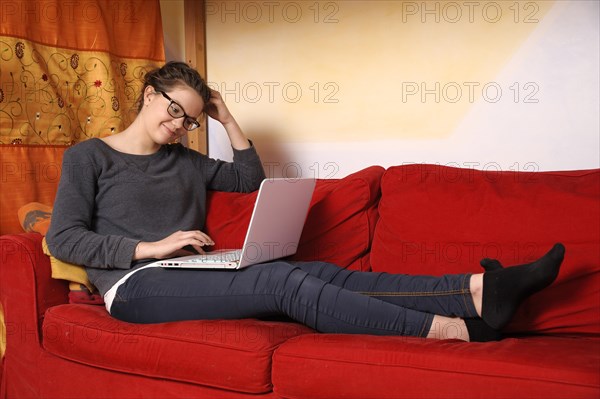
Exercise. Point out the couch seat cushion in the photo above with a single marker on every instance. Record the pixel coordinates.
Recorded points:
(350, 366)
(339, 227)
(441, 220)
(228, 354)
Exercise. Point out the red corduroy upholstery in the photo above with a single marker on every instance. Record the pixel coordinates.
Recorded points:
(424, 220)
(396, 367)
(339, 227)
(227, 354)
(439, 220)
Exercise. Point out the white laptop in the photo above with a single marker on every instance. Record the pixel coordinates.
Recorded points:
(274, 231)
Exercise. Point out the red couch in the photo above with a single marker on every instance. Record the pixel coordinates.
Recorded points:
(417, 219)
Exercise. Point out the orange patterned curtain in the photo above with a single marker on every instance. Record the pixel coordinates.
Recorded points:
(71, 70)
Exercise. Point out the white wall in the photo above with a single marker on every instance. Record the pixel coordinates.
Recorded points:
(543, 56)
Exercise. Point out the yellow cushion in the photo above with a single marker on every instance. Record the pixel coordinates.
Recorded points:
(35, 217)
(67, 271)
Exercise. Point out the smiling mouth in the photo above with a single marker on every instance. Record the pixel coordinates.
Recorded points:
(171, 132)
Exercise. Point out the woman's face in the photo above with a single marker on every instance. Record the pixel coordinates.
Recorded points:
(162, 127)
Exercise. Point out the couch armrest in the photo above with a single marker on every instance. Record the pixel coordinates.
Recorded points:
(26, 289)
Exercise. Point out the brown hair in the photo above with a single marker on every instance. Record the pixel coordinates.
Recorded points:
(173, 74)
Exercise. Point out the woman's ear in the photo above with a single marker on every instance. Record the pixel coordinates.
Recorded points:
(148, 94)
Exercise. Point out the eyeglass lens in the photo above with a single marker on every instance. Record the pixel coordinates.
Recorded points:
(176, 111)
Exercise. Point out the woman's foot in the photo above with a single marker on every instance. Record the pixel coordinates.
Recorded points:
(505, 288)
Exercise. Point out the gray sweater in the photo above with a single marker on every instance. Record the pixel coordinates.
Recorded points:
(108, 201)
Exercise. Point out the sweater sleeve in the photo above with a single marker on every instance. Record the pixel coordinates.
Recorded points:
(244, 174)
(70, 237)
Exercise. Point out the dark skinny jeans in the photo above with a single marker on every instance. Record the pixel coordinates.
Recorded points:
(322, 296)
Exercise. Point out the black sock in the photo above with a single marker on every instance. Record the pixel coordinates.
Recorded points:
(505, 288)
(490, 264)
(479, 331)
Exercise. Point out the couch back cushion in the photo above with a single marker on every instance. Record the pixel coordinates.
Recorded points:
(439, 220)
(339, 227)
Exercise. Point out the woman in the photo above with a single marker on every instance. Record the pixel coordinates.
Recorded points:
(128, 199)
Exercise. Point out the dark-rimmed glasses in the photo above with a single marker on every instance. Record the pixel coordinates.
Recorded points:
(176, 111)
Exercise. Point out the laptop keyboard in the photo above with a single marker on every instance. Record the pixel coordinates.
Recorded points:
(228, 256)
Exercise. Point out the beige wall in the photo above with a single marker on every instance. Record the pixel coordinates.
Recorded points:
(357, 70)
(354, 83)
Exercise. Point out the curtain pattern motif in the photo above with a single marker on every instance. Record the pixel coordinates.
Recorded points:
(57, 96)
(64, 83)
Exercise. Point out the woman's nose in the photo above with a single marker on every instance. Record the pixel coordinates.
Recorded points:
(177, 123)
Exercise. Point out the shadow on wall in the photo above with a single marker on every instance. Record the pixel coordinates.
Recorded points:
(280, 158)
(277, 160)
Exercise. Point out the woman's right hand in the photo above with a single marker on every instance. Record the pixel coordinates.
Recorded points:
(173, 245)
